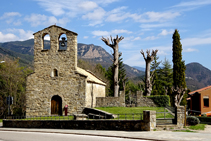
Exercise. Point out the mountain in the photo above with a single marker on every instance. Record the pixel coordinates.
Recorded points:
(139, 68)
(197, 76)
(91, 53)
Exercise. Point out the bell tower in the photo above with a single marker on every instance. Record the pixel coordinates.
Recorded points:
(60, 56)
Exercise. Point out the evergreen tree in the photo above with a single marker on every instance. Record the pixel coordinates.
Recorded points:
(155, 81)
(178, 64)
(121, 76)
(166, 75)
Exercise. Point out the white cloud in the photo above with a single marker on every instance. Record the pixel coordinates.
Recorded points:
(193, 3)
(187, 42)
(108, 33)
(100, 33)
(87, 5)
(189, 50)
(97, 14)
(72, 8)
(11, 18)
(21, 34)
(154, 16)
(149, 26)
(38, 19)
(151, 38)
(165, 32)
(7, 37)
(137, 38)
(10, 14)
(86, 37)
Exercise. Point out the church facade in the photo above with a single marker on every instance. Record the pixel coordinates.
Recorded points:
(57, 81)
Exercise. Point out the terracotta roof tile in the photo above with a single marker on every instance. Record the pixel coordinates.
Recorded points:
(199, 90)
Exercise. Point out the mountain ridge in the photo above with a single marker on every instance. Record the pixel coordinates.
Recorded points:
(197, 76)
(87, 52)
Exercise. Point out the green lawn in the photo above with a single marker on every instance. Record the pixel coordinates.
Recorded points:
(51, 118)
(197, 127)
(47, 118)
(129, 111)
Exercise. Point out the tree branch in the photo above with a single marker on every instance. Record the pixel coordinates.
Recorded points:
(106, 41)
(142, 52)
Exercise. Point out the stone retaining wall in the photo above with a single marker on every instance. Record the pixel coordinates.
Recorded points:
(147, 124)
(111, 101)
(144, 101)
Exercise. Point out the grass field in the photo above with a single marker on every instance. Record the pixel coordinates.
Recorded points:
(134, 110)
(45, 118)
(197, 127)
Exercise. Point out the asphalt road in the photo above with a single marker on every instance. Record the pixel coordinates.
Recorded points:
(34, 136)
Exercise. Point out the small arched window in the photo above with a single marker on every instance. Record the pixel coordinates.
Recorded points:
(63, 42)
(46, 42)
(54, 73)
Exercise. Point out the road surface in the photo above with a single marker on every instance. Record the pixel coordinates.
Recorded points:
(35, 136)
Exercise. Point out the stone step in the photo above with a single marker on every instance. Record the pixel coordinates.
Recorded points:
(166, 127)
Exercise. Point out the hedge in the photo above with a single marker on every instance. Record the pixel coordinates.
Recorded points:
(191, 120)
(206, 120)
(160, 100)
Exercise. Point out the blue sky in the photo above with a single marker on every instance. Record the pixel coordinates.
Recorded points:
(144, 24)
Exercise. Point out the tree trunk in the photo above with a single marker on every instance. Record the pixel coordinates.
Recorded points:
(116, 71)
(148, 85)
(116, 55)
(148, 60)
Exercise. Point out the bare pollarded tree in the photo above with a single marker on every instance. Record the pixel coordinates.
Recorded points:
(114, 45)
(148, 60)
(178, 94)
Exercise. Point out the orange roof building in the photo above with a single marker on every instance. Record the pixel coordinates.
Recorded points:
(200, 102)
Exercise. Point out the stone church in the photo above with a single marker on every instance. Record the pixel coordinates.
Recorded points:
(57, 81)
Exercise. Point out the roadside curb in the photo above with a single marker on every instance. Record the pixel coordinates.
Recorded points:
(20, 130)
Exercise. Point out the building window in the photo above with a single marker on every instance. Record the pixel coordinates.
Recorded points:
(206, 101)
(54, 73)
(46, 42)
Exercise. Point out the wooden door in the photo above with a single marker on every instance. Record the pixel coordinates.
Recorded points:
(56, 105)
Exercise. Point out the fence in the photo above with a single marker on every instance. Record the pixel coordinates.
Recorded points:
(145, 121)
(90, 116)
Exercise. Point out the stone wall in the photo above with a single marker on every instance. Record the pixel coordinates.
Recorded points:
(180, 116)
(150, 120)
(147, 124)
(42, 85)
(143, 101)
(111, 101)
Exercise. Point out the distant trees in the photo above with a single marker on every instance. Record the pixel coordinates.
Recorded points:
(178, 69)
(13, 83)
(115, 46)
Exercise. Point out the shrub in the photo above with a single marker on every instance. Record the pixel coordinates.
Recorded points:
(160, 100)
(191, 120)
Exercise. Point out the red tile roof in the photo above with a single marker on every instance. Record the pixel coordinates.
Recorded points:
(199, 90)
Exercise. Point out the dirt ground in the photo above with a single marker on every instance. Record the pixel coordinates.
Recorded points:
(206, 130)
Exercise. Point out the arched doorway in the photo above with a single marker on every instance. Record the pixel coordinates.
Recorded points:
(56, 105)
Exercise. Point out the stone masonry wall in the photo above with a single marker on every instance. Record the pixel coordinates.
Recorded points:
(147, 124)
(180, 116)
(111, 101)
(144, 101)
(41, 86)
